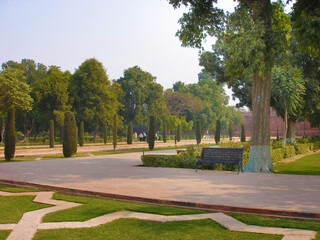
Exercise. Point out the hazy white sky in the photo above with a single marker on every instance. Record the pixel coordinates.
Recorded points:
(119, 33)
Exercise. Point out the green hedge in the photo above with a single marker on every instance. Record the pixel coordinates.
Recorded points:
(289, 151)
(172, 161)
(301, 148)
(277, 154)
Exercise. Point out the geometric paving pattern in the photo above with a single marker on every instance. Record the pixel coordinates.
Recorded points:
(31, 221)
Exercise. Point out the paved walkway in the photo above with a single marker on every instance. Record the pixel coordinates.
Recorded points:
(120, 175)
(31, 221)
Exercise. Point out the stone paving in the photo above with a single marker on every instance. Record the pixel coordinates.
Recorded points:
(31, 221)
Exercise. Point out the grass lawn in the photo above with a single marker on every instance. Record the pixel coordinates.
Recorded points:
(308, 165)
(11, 209)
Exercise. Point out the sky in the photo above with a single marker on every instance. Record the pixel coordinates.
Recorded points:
(119, 33)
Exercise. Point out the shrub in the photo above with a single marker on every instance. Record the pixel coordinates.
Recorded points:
(51, 139)
(10, 136)
(130, 133)
(198, 131)
(161, 160)
(289, 151)
(105, 133)
(277, 144)
(277, 154)
(115, 128)
(230, 130)
(151, 133)
(165, 130)
(69, 135)
(217, 133)
(301, 148)
(243, 133)
(81, 134)
(179, 133)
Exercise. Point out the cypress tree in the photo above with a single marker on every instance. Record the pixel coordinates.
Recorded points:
(151, 133)
(179, 133)
(165, 130)
(217, 133)
(198, 131)
(130, 133)
(51, 139)
(69, 135)
(81, 134)
(115, 128)
(230, 130)
(243, 133)
(278, 138)
(10, 135)
(105, 136)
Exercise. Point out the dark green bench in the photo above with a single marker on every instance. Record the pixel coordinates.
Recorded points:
(222, 156)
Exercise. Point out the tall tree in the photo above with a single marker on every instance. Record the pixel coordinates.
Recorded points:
(287, 95)
(51, 96)
(253, 39)
(95, 99)
(14, 94)
(142, 96)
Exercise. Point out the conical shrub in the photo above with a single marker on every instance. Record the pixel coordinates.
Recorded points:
(10, 136)
(51, 138)
(69, 135)
(165, 130)
(130, 133)
(151, 133)
(198, 131)
(81, 134)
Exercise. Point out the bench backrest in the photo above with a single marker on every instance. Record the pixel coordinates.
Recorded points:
(222, 155)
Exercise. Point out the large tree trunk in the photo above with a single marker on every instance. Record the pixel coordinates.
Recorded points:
(260, 156)
(291, 132)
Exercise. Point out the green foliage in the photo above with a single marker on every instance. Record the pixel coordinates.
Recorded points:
(130, 133)
(69, 135)
(217, 132)
(95, 98)
(289, 151)
(151, 133)
(277, 144)
(10, 135)
(301, 148)
(115, 132)
(179, 133)
(277, 154)
(142, 96)
(198, 131)
(230, 130)
(14, 91)
(105, 135)
(165, 131)
(51, 138)
(243, 133)
(81, 134)
(306, 23)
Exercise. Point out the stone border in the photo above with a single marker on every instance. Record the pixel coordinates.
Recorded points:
(31, 221)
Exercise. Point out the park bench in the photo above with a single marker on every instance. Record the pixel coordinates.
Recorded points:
(222, 156)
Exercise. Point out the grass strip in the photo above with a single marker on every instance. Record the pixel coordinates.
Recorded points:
(308, 165)
(138, 229)
(94, 207)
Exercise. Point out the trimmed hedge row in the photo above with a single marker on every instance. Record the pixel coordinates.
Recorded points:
(188, 159)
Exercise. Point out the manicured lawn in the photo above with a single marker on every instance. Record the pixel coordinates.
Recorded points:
(138, 229)
(94, 207)
(7, 188)
(13, 207)
(308, 165)
(4, 234)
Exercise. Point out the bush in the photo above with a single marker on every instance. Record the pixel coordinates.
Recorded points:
(165, 130)
(230, 129)
(69, 135)
(301, 148)
(179, 133)
(115, 128)
(277, 144)
(81, 134)
(161, 160)
(151, 133)
(10, 136)
(217, 133)
(198, 131)
(243, 133)
(277, 154)
(289, 151)
(105, 133)
(130, 133)
(51, 141)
